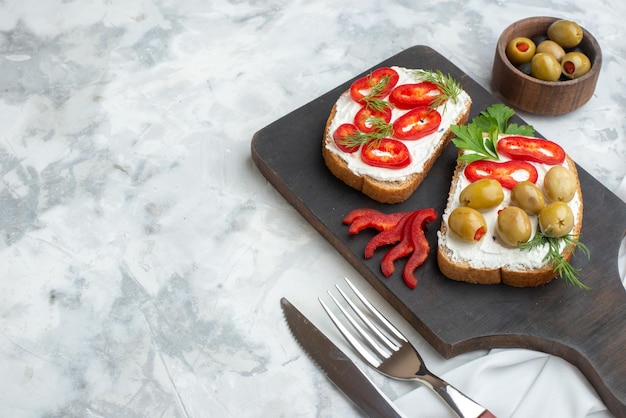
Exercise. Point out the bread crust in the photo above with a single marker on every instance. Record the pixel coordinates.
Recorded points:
(462, 271)
(383, 191)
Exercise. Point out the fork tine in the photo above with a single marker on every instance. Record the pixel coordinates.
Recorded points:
(364, 352)
(376, 313)
(390, 344)
(365, 335)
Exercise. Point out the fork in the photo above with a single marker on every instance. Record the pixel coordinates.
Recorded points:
(393, 355)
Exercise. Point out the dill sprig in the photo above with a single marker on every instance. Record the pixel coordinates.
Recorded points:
(449, 87)
(382, 83)
(555, 257)
(375, 103)
(371, 100)
(381, 130)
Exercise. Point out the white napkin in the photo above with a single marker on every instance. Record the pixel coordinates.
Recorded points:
(519, 383)
(514, 383)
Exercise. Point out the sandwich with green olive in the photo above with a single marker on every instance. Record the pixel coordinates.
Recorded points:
(515, 206)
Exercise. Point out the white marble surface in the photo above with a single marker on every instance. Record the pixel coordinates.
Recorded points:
(143, 255)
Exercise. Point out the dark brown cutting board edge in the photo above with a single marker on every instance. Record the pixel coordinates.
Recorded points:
(586, 328)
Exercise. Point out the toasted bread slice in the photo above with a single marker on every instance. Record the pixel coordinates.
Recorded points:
(494, 262)
(383, 184)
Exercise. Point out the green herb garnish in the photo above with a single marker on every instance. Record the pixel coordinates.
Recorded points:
(448, 86)
(561, 266)
(498, 115)
(470, 138)
(493, 121)
(381, 130)
(374, 103)
(371, 100)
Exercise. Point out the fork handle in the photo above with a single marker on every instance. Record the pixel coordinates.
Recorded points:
(462, 405)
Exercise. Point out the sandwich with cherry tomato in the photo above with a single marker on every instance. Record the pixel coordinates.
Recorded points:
(515, 208)
(386, 131)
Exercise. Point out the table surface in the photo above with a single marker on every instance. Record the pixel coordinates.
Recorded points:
(143, 254)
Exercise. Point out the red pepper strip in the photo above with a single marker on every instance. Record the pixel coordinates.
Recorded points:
(357, 213)
(381, 222)
(421, 248)
(390, 236)
(401, 249)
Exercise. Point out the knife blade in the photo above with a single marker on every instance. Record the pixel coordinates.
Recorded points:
(342, 371)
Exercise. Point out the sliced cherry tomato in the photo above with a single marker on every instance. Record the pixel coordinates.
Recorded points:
(364, 123)
(531, 149)
(363, 86)
(417, 123)
(508, 173)
(341, 133)
(408, 96)
(387, 153)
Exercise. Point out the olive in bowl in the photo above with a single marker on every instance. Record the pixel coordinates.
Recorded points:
(566, 33)
(575, 64)
(545, 66)
(527, 93)
(550, 47)
(520, 50)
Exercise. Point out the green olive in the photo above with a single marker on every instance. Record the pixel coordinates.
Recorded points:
(482, 194)
(467, 223)
(545, 67)
(556, 219)
(551, 47)
(528, 196)
(575, 64)
(566, 33)
(513, 226)
(560, 184)
(520, 50)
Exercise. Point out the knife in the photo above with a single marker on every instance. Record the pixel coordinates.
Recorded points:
(338, 367)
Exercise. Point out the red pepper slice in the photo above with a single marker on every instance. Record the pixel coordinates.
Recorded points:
(388, 237)
(404, 229)
(363, 86)
(343, 131)
(400, 250)
(408, 96)
(357, 213)
(417, 123)
(386, 153)
(508, 173)
(531, 149)
(421, 248)
(364, 123)
(380, 221)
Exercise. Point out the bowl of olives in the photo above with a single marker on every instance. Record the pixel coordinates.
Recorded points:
(546, 65)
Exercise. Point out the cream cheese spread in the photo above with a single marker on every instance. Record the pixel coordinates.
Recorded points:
(489, 252)
(420, 149)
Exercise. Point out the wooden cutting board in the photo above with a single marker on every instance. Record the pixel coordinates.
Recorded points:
(586, 328)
